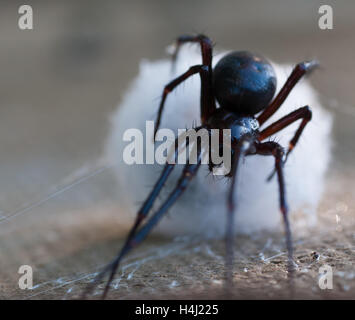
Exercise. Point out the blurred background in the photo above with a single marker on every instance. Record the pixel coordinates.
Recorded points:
(61, 81)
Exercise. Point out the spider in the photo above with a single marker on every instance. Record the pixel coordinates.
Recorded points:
(244, 85)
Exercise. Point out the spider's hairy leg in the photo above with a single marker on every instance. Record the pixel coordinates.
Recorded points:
(137, 236)
(303, 113)
(201, 69)
(144, 210)
(205, 43)
(188, 173)
(274, 149)
(239, 150)
(207, 104)
(298, 72)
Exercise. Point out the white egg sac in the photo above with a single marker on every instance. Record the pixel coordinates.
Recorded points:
(202, 209)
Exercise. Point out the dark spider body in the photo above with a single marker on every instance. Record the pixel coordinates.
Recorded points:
(244, 85)
(244, 82)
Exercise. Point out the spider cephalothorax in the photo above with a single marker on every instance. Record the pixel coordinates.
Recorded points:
(244, 86)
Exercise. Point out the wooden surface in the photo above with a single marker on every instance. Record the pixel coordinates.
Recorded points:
(59, 85)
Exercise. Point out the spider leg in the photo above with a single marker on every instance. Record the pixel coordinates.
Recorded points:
(208, 104)
(135, 237)
(205, 43)
(188, 173)
(240, 149)
(202, 70)
(273, 148)
(145, 208)
(303, 113)
(298, 72)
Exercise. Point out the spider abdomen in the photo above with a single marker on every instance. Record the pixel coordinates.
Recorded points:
(244, 82)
